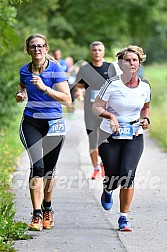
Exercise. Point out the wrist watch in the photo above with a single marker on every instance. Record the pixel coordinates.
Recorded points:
(48, 89)
(148, 120)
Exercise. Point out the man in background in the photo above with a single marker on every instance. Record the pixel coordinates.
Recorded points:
(90, 78)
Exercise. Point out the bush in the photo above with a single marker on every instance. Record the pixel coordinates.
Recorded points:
(10, 148)
(157, 76)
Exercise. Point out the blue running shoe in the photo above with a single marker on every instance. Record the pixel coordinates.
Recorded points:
(123, 224)
(106, 200)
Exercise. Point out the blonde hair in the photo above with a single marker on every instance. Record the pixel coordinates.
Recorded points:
(49, 57)
(132, 48)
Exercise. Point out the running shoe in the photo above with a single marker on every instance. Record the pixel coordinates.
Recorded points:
(124, 224)
(48, 219)
(36, 223)
(96, 174)
(102, 169)
(106, 200)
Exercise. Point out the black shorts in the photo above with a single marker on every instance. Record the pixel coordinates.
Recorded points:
(120, 159)
(43, 150)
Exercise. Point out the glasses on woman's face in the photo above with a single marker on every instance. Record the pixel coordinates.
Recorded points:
(38, 46)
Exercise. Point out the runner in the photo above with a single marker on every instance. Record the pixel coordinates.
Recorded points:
(42, 127)
(124, 104)
(90, 77)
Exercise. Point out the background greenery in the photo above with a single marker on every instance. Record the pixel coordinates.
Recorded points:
(10, 148)
(72, 25)
(157, 76)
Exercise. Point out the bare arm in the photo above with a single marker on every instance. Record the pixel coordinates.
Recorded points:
(60, 91)
(78, 89)
(98, 109)
(21, 93)
(145, 113)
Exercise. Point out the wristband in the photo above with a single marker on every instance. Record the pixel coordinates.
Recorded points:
(48, 89)
(148, 120)
(18, 92)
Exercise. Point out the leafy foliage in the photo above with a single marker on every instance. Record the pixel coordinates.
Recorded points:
(157, 76)
(10, 229)
(113, 22)
(8, 43)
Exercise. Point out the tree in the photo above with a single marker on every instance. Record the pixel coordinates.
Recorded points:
(8, 44)
(111, 21)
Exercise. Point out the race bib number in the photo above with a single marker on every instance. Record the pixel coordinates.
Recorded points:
(125, 132)
(56, 127)
(94, 93)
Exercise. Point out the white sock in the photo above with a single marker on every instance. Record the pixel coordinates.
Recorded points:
(123, 214)
(97, 168)
(108, 191)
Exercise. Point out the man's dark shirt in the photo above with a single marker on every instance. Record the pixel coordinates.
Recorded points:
(93, 78)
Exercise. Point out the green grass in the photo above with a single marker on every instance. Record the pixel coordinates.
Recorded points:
(157, 76)
(10, 148)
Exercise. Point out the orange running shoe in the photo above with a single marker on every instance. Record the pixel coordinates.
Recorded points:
(36, 223)
(48, 219)
(102, 169)
(96, 174)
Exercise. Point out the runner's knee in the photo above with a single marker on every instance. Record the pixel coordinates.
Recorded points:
(37, 172)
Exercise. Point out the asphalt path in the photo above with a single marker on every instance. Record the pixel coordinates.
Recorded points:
(80, 222)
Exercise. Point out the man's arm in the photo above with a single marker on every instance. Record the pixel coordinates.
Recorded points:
(79, 90)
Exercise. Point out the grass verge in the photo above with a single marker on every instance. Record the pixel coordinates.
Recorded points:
(157, 76)
(10, 148)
